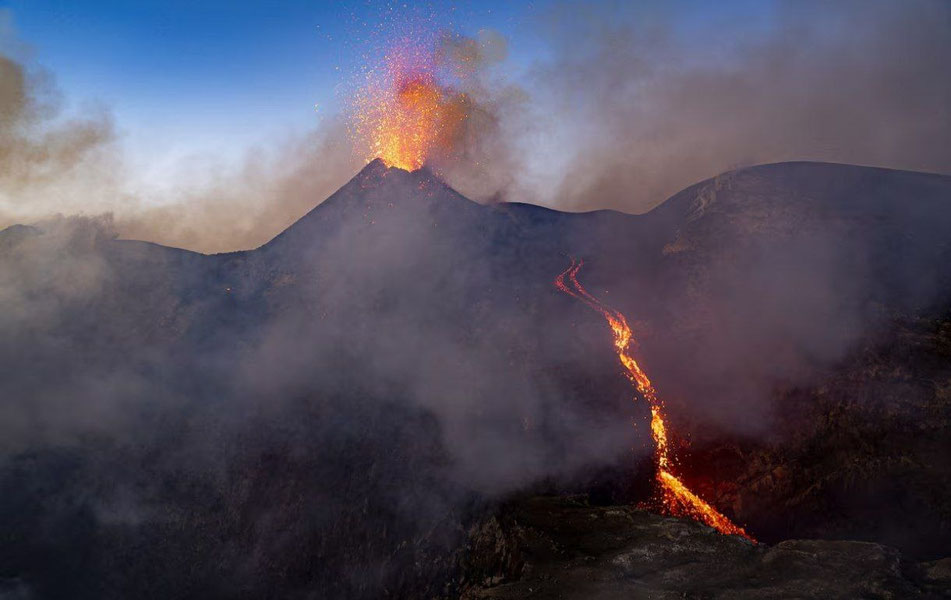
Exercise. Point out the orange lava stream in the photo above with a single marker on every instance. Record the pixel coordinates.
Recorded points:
(677, 499)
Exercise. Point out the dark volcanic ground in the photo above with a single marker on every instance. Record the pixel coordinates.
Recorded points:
(329, 414)
(567, 549)
(861, 453)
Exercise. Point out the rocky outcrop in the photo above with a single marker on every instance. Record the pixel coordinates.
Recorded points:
(564, 548)
(859, 454)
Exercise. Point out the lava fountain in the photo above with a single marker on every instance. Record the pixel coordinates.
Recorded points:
(677, 499)
(405, 113)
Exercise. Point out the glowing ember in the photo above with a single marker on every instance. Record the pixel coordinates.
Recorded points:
(404, 115)
(677, 499)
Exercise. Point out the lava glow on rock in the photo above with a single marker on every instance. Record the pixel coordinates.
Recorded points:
(404, 114)
(677, 498)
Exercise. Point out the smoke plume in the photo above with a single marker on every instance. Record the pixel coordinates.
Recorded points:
(632, 105)
(50, 162)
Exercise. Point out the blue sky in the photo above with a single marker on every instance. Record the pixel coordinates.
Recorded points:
(615, 103)
(197, 87)
(216, 76)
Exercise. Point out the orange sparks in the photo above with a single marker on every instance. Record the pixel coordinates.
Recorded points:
(404, 115)
(677, 499)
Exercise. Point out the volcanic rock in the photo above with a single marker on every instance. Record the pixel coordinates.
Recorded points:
(564, 548)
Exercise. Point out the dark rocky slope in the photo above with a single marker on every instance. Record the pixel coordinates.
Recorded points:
(563, 548)
(327, 414)
(858, 453)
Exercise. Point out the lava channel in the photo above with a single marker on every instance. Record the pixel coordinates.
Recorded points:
(676, 497)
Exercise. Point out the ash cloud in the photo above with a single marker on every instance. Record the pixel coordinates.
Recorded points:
(484, 160)
(50, 161)
(632, 106)
(224, 208)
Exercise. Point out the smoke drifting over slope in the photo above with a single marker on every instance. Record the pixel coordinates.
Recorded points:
(342, 395)
(400, 354)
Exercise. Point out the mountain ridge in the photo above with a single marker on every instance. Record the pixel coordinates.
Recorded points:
(373, 174)
(331, 410)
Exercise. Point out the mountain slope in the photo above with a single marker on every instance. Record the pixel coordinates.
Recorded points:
(327, 411)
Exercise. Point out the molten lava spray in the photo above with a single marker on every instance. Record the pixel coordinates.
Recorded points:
(677, 499)
(404, 114)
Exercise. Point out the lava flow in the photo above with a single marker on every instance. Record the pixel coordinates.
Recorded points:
(677, 499)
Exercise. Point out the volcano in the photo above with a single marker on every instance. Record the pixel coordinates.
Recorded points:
(332, 411)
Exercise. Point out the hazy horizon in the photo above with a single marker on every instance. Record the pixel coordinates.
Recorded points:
(214, 130)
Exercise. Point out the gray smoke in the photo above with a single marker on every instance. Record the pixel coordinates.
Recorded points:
(642, 106)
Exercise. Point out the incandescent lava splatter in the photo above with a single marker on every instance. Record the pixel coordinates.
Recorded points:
(405, 113)
(677, 498)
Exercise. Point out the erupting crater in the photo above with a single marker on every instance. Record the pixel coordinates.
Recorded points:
(405, 114)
